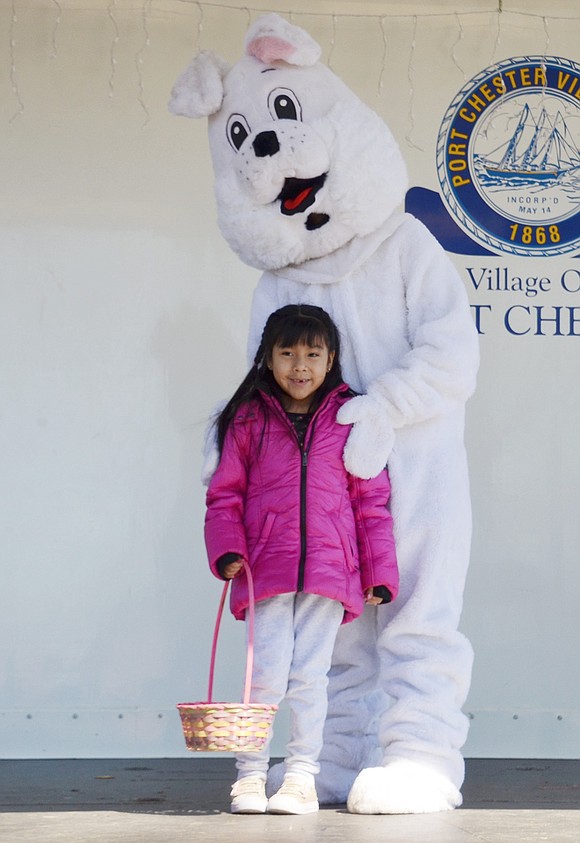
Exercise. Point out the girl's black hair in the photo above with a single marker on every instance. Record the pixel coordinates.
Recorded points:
(288, 326)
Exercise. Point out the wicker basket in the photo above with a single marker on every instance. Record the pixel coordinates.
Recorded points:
(228, 727)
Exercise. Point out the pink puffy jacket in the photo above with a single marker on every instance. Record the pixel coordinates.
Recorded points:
(300, 519)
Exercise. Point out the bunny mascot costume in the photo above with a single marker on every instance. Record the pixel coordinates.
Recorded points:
(308, 180)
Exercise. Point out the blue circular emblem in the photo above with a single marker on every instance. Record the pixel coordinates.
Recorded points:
(508, 156)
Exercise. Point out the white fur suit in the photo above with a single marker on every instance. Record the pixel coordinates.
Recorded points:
(308, 182)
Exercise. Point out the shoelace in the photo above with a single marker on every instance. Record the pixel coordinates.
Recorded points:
(294, 788)
(246, 785)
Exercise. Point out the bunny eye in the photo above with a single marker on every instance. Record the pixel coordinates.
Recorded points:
(237, 130)
(284, 105)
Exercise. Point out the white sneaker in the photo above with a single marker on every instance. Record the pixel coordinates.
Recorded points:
(249, 796)
(296, 796)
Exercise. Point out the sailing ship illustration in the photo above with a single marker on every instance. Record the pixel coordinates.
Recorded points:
(539, 150)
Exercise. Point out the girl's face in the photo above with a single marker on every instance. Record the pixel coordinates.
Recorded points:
(299, 370)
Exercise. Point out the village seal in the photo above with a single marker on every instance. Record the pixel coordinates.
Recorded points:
(508, 156)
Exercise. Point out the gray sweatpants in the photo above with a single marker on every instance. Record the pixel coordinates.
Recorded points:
(294, 637)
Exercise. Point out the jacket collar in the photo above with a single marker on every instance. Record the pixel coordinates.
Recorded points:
(333, 395)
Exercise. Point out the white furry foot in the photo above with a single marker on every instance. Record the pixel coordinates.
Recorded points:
(402, 787)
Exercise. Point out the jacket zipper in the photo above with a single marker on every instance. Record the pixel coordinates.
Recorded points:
(303, 474)
(302, 563)
(304, 450)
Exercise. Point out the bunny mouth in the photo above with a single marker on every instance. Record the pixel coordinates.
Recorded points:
(299, 194)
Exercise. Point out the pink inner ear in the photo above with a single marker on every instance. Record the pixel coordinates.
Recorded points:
(267, 49)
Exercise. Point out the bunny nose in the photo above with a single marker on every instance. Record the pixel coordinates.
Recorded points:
(266, 143)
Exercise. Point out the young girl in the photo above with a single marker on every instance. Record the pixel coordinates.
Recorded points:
(319, 541)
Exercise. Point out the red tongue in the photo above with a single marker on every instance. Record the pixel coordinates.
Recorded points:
(290, 204)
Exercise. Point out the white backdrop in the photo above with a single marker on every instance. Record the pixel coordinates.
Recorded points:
(123, 320)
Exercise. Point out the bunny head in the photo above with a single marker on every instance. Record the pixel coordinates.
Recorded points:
(302, 165)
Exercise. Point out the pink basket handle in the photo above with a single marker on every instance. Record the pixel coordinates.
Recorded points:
(250, 650)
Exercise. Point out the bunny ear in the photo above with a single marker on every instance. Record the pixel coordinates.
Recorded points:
(271, 38)
(199, 90)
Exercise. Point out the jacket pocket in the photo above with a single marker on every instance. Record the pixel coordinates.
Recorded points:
(350, 554)
(263, 536)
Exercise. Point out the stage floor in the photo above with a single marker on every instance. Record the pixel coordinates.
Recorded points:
(187, 799)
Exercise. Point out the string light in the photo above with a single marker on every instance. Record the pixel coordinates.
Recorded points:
(410, 74)
(199, 27)
(56, 26)
(547, 34)
(262, 10)
(498, 34)
(13, 80)
(384, 61)
(544, 66)
(139, 59)
(491, 124)
(456, 44)
(332, 42)
(382, 21)
(113, 57)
